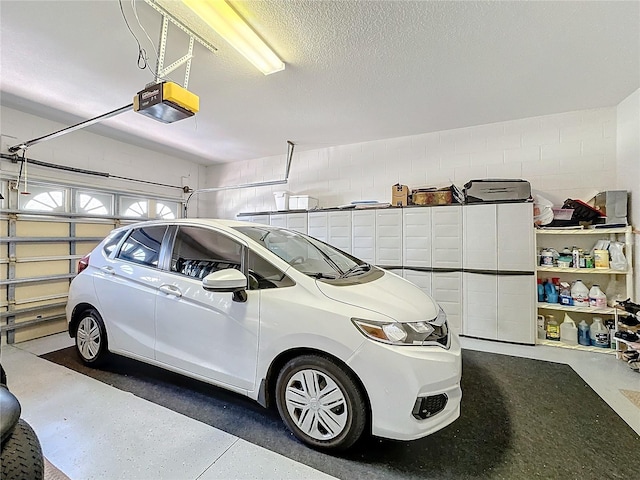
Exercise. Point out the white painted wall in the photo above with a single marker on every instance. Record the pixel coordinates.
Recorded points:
(570, 155)
(628, 168)
(86, 150)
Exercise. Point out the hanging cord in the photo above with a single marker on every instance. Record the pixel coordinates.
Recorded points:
(25, 191)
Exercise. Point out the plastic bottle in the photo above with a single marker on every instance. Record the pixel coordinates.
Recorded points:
(597, 298)
(580, 294)
(569, 331)
(551, 294)
(542, 331)
(565, 294)
(575, 257)
(553, 329)
(599, 334)
(583, 333)
(540, 291)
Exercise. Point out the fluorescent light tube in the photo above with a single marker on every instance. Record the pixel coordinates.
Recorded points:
(221, 17)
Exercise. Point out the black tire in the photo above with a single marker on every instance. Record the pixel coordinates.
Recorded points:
(333, 424)
(91, 339)
(22, 455)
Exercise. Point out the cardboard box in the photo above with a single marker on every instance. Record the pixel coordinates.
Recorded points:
(399, 195)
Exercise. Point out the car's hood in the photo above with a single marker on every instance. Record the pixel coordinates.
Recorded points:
(389, 295)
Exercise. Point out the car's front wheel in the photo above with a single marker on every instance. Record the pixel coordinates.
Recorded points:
(320, 403)
(91, 338)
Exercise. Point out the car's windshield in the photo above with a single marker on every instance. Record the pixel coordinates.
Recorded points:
(306, 254)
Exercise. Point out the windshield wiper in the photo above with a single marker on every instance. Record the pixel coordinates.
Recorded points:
(320, 275)
(364, 267)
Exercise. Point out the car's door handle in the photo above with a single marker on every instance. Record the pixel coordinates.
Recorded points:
(108, 270)
(170, 290)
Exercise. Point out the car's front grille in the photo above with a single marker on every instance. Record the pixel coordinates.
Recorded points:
(426, 407)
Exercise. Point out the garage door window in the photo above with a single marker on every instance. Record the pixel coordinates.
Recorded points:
(143, 246)
(166, 211)
(44, 198)
(94, 203)
(134, 207)
(197, 252)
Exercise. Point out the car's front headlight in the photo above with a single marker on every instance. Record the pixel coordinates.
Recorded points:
(409, 333)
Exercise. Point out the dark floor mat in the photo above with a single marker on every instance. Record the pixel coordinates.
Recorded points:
(520, 419)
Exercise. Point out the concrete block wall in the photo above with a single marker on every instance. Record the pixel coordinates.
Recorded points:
(568, 155)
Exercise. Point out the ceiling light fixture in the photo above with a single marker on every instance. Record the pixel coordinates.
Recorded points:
(221, 17)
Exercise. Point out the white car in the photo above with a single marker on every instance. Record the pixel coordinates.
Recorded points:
(340, 346)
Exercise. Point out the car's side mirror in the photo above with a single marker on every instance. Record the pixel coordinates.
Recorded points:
(227, 280)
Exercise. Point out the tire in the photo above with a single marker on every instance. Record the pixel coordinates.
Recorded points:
(91, 339)
(320, 403)
(22, 455)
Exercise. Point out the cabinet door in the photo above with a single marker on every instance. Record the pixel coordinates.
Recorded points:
(422, 280)
(278, 220)
(516, 308)
(340, 230)
(480, 293)
(479, 243)
(446, 289)
(389, 237)
(262, 219)
(516, 240)
(317, 227)
(364, 235)
(416, 228)
(446, 236)
(297, 222)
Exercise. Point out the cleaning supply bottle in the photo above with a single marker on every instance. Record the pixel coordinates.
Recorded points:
(565, 294)
(597, 298)
(542, 331)
(583, 333)
(580, 294)
(553, 329)
(540, 291)
(551, 294)
(569, 331)
(599, 334)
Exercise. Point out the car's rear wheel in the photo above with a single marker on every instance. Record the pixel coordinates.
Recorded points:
(320, 402)
(91, 338)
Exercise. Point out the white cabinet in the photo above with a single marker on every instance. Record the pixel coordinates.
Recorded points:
(499, 307)
(262, 219)
(499, 237)
(318, 225)
(516, 237)
(416, 247)
(516, 308)
(278, 220)
(297, 222)
(446, 236)
(480, 237)
(388, 249)
(339, 230)
(446, 289)
(363, 228)
(420, 279)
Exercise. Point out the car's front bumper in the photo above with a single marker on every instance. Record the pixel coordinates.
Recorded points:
(396, 376)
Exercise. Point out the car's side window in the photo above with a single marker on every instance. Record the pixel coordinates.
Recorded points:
(263, 274)
(197, 252)
(112, 242)
(143, 245)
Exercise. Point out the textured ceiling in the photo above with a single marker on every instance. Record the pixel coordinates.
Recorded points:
(356, 70)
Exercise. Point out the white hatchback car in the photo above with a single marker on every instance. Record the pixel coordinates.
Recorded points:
(340, 346)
